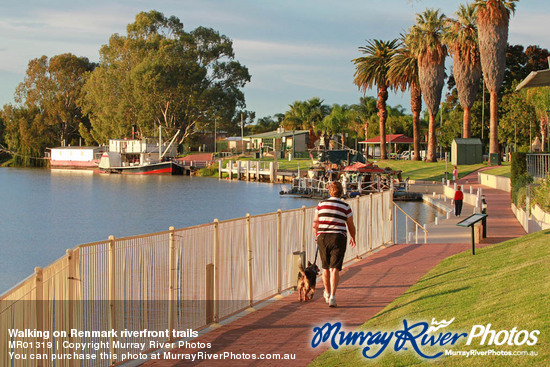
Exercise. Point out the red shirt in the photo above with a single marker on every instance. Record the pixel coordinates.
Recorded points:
(458, 195)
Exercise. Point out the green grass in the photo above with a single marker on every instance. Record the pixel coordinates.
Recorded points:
(499, 171)
(420, 170)
(506, 285)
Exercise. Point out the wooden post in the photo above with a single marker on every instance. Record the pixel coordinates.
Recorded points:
(215, 317)
(172, 295)
(271, 172)
(209, 293)
(279, 259)
(112, 296)
(71, 291)
(239, 168)
(383, 220)
(357, 221)
(249, 260)
(258, 172)
(39, 297)
(220, 169)
(248, 170)
(303, 228)
(370, 222)
(230, 170)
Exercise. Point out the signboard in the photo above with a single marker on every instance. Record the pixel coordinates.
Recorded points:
(471, 220)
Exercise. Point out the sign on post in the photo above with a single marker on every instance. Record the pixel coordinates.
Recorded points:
(470, 222)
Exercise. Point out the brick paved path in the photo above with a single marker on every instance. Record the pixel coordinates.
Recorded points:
(366, 287)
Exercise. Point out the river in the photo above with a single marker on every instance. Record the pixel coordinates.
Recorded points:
(46, 212)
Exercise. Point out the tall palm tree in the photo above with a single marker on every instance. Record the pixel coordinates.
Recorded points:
(493, 17)
(461, 38)
(373, 69)
(403, 73)
(424, 40)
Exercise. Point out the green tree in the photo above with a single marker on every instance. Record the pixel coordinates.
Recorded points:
(424, 40)
(54, 86)
(461, 38)
(493, 17)
(306, 115)
(338, 122)
(26, 134)
(158, 74)
(539, 98)
(267, 123)
(518, 118)
(372, 69)
(403, 73)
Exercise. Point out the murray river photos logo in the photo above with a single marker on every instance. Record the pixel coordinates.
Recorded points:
(417, 336)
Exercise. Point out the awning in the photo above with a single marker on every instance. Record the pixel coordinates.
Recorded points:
(390, 138)
(362, 167)
(539, 78)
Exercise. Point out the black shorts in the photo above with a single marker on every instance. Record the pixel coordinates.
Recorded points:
(332, 248)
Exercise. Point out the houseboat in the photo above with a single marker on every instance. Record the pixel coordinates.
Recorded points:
(75, 157)
(140, 157)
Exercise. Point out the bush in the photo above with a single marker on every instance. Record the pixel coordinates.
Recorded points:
(541, 194)
(209, 171)
(519, 189)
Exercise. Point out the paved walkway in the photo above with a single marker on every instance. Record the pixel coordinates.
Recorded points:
(366, 287)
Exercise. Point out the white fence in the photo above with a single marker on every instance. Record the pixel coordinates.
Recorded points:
(181, 279)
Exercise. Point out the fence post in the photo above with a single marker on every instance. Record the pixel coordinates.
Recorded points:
(216, 305)
(71, 293)
(383, 221)
(230, 171)
(172, 282)
(279, 259)
(249, 261)
(39, 297)
(357, 221)
(303, 228)
(112, 296)
(370, 225)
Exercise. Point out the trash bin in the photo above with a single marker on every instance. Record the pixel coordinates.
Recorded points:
(257, 155)
(282, 156)
(494, 159)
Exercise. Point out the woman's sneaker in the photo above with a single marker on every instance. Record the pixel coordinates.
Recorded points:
(332, 302)
(327, 296)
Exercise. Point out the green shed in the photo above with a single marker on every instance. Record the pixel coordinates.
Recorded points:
(466, 151)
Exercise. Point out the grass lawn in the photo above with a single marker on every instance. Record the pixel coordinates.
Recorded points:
(499, 171)
(506, 285)
(420, 170)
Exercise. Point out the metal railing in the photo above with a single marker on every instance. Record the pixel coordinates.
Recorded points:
(180, 279)
(538, 164)
(408, 234)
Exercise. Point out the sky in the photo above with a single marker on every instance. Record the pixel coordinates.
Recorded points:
(294, 49)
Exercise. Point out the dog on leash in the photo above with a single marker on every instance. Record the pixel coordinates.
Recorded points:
(307, 278)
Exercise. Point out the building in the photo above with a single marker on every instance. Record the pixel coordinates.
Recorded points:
(75, 157)
(290, 140)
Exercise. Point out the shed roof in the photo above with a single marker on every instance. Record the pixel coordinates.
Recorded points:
(390, 138)
(276, 135)
(468, 141)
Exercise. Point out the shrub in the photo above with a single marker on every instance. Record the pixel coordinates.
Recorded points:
(541, 194)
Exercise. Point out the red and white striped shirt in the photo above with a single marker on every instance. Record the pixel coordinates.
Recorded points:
(333, 214)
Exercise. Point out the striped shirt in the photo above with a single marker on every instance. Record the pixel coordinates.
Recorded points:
(333, 214)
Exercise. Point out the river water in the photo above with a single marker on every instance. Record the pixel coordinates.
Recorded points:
(46, 212)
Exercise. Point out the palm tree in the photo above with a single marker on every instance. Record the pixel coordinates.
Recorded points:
(306, 115)
(403, 73)
(461, 38)
(373, 69)
(339, 121)
(424, 41)
(493, 17)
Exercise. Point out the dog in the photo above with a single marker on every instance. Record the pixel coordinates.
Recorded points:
(307, 278)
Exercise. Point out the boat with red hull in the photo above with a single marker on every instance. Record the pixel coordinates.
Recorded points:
(161, 168)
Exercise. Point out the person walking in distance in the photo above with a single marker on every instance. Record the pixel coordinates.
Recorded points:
(455, 174)
(332, 217)
(457, 200)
